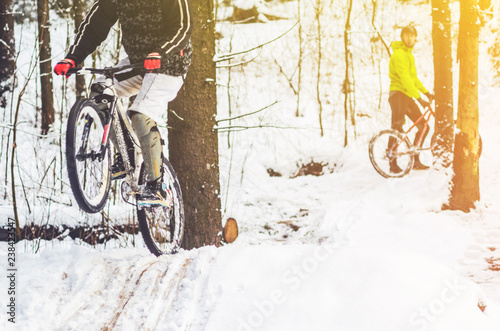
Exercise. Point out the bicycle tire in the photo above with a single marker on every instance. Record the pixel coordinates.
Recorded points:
(163, 227)
(380, 156)
(90, 178)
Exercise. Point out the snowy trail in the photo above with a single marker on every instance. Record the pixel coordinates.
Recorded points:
(241, 287)
(346, 251)
(114, 290)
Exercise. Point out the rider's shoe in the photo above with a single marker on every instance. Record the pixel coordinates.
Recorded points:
(394, 168)
(118, 168)
(417, 165)
(154, 194)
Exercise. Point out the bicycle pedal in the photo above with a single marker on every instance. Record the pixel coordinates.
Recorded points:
(152, 199)
(118, 175)
(127, 193)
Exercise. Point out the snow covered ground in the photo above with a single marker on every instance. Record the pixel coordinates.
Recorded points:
(242, 287)
(348, 250)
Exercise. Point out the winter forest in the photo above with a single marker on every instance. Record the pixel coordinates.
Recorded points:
(272, 135)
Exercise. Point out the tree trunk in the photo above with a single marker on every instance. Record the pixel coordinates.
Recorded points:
(45, 64)
(347, 79)
(465, 191)
(7, 49)
(319, 10)
(78, 14)
(193, 144)
(443, 81)
(301, 55)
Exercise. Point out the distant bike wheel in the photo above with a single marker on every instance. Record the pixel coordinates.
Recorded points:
(88, 169)
(390, 147)
(163, 227)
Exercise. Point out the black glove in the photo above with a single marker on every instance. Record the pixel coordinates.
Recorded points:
(423, 103)
(429, 96)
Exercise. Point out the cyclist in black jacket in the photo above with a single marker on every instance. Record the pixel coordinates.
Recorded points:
(158, 33)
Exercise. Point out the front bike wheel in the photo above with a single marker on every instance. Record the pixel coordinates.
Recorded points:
(163, 227)
(391, 147)
(88, 168)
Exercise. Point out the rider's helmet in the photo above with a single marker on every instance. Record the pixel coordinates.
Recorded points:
(409, 29)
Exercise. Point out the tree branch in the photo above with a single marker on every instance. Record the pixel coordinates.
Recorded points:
(243, 115)
(227, 57)
(239, 63)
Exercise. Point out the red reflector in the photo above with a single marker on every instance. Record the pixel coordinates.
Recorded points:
(106, 132)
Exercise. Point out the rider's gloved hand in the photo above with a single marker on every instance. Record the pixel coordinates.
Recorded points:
(429, 96)
(424, 103)
(62, 67)
(152, 61)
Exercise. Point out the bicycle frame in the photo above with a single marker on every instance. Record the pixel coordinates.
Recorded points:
(416, 149)
(113, 122)
(429, 112)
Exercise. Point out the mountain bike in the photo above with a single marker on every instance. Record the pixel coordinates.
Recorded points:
(392, 145)
(90, 123)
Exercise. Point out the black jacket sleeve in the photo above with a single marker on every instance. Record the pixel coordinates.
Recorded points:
(179, 20)
(93, 30)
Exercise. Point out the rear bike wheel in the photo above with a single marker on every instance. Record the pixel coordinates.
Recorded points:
(163, 227)
(88, 170)
(382, 154)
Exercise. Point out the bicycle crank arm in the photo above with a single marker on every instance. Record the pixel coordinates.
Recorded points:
(92, 155)
(128, 192)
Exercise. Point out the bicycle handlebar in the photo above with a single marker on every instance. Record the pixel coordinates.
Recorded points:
(104, 71)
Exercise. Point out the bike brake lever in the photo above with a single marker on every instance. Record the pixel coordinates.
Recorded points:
(76, 71)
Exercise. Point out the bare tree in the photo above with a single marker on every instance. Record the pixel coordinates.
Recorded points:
(348, 109)
(193, 143)
(7, 49)
(79, 9)
(45, 64)
(465, 191)
(318, 11)
(443, 81)
(301, 56)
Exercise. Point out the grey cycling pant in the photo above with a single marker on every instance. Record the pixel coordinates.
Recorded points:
(153, 93)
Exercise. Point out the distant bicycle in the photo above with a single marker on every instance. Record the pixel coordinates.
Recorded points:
(392, 145)
(88, 160)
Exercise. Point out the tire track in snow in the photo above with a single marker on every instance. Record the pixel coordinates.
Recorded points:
(481, 260)
(196, 298)
(183, 300)
(169, 293)
(83, 289)
(148, 293)
(126, 294)
(97, 288)
(164, 295)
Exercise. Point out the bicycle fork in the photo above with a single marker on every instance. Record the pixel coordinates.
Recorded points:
(81, 156)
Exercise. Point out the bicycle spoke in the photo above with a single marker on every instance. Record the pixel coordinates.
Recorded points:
(163, 227)
(390, 154)
(88, 169)
(91, 170)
